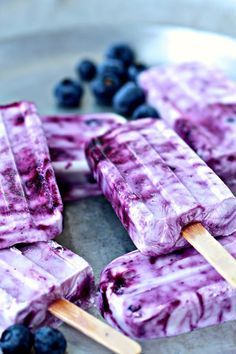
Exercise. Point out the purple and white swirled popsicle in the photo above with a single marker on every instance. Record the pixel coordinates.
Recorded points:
(30, 202)
(34, 276)
(67, 137)
(199, 102)
(152, 297)
(157, 185)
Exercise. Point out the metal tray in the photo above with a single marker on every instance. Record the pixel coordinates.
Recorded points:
(29, 68)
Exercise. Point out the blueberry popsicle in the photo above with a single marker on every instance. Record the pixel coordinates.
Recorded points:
(217, 145)
(67, 137)
(152, 297)
(200, 103)
(158, 186)
(40, 280)
(30, 203)
(34, 276)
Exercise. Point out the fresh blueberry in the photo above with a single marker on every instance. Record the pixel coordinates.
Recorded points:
(16, 339)
(104, 88)
(231, 119)
(122, 52)
(127, 99)
(68, 93)
(145, 111)
(113, 66)
(86, 70)
(134, 70)
(49, 340)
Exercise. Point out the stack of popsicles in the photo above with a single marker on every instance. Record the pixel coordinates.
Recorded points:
(200, 104)
(31, 212)
(39, 278)
(164, 194)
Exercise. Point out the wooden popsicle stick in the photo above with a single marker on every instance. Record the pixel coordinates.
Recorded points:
(223, 262)
(99, 331)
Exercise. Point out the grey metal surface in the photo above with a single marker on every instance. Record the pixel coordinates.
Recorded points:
(29, 68)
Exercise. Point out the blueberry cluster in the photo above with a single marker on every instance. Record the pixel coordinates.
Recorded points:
(18, 339)
(112, 83)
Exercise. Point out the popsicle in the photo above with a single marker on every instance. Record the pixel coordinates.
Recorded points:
(199, 102)
(217, 145)
(34, 276)
(158, 186)
(151, 297)
(30, 203)
(67, 137)
(39, 280)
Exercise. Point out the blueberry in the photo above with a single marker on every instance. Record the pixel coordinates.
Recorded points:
(49, 340)
(128, 98)
(86, 70)
(134, 308)
(16, 339)
(231, 120)
(113, 66)
(104, 88)
(68, 93)
(145, 111)
(134, 70)
(122, 52)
